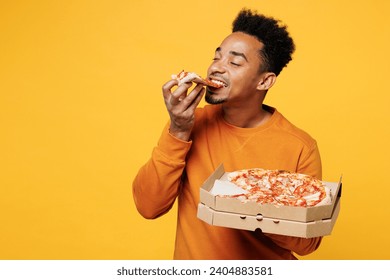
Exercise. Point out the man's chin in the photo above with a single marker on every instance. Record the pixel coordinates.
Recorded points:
(210, 99)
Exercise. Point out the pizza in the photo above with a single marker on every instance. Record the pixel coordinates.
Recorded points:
(279, 187)
(189, 77)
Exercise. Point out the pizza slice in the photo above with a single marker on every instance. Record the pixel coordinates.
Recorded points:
(191, 77)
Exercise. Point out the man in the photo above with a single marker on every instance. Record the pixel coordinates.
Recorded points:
(237, 130)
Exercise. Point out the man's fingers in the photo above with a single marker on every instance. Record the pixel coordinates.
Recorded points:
(167, 88)
(193, 98)
(174, 97)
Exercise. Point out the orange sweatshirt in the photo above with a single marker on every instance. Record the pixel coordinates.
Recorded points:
(177, 169)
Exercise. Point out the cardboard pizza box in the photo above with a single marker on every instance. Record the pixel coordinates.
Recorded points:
(269, 225)
(235, 206)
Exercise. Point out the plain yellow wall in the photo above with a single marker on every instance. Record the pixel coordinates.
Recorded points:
(81, 109)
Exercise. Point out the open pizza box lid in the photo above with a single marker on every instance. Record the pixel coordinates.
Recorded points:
(269, 225)
(292, 213)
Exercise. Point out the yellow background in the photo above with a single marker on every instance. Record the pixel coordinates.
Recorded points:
(81, 109)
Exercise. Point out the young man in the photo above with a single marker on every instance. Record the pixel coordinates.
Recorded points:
(238, 130)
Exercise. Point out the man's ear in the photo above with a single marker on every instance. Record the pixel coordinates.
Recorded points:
(268, 79)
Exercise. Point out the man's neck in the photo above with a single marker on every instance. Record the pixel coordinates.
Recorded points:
(246, 117)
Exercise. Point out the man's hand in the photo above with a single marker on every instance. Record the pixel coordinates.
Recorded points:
(181, 107)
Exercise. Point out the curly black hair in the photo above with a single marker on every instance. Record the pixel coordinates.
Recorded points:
(278, 45)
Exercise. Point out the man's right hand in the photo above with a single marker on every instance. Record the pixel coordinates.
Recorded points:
(181, 107)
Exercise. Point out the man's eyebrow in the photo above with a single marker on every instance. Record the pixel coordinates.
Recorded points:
(238, 54)
(233, 53)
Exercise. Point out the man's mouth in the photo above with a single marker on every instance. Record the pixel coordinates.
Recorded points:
(218, 82)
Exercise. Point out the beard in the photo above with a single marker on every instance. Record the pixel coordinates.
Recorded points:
(209, 98)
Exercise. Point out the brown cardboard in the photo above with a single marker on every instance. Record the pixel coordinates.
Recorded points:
(299, 214)
(269, 225)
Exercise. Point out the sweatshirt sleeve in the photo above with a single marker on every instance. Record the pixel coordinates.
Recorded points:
(301, 246)
(310, 162)
(157, 183)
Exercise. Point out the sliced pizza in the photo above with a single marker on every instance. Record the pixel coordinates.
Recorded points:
(191, 77)
(279, 187)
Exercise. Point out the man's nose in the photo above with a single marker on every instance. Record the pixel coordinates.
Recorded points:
(218, 66)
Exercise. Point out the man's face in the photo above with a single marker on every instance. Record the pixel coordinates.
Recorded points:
(236, 63)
